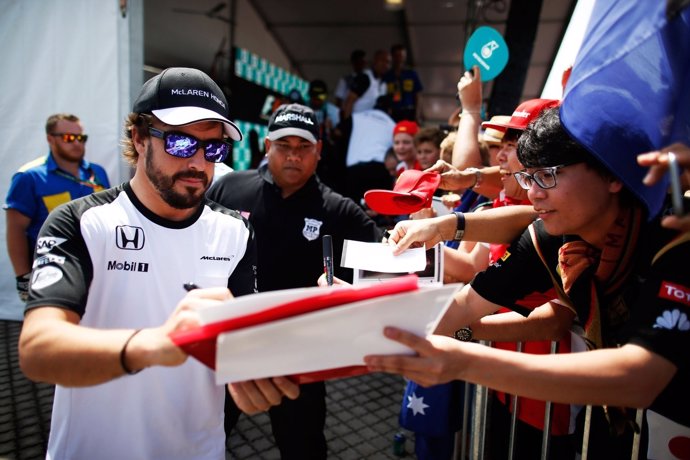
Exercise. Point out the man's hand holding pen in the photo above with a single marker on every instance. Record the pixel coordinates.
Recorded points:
(252, 396)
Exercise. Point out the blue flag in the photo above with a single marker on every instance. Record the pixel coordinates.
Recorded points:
(434, 411)
(629, 91)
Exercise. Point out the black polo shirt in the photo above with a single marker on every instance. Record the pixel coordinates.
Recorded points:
(289, 230)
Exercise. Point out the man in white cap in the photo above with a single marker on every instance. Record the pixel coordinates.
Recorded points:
(107, 290)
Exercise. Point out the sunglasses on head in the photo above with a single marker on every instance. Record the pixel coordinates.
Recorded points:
(182, 145)
(69, 138)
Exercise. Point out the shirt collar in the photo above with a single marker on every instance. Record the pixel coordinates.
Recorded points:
(51, 165)
(266, 175)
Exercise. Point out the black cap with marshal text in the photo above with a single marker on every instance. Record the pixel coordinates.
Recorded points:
(293, 120)
(180, 96)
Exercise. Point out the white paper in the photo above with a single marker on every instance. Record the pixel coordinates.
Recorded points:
(378, 257)
(440, 208)
(329, 338)
(252, 303)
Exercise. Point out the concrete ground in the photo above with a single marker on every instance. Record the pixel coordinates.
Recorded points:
(361, 422)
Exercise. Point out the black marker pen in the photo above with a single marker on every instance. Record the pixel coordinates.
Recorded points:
(190, 286)
(328, 258)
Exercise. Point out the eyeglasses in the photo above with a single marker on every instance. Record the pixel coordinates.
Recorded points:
(544, 177)
(182, 145)
(69, 138)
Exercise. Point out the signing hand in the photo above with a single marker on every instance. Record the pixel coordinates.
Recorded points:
(418, 233)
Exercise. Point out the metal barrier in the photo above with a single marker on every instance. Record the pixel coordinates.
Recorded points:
(478, 419)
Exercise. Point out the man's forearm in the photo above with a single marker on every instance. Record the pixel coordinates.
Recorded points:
(498, 225)
(543, 323)
(629, 376)
(17, 242)
(60, 352)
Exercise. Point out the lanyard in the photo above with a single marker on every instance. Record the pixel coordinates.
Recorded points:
(91, 182)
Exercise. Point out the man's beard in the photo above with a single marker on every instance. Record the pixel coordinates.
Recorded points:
(164, 185)
(68, 154)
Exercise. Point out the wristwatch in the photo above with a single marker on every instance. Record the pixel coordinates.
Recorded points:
(477, 176)
(460, 229)
(464, 334)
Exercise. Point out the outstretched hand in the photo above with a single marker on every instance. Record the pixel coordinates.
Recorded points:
(452, 178)
(416, 233)
(658, 166)
(470, 90)
(437, 360)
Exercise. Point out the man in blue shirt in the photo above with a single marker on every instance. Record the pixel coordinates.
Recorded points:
(404, 86)
(41, 185)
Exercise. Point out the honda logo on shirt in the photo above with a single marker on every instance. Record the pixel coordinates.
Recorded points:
(128, 237)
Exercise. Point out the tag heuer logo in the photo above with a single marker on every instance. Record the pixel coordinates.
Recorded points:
(128, 237)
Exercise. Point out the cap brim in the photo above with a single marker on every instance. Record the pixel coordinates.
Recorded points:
(393, 203)
(284, 132)
(179, 116)
(502, 127)
(489, 139)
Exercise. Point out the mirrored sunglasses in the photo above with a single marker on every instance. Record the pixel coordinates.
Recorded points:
(182, 145)
(545, 178)
(69, 138)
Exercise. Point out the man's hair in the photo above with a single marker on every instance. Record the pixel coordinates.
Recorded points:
(511, 135)
(398, 47)
(447, 144)
(484, 153)
(429, 134)
(52, 120)
(140, 123)
(357, 55)
(545, 143)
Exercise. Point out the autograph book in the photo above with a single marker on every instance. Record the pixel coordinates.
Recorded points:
(311, 334)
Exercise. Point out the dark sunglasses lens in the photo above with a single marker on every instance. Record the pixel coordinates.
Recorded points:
(69, 138)
(216, 151)
(179, 145)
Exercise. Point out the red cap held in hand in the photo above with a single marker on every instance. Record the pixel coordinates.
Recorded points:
(413, 191)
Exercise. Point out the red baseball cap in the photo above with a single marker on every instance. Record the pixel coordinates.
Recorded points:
(413, 191)
(407, 127)
(525, 112)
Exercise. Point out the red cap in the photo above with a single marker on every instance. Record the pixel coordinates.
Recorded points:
(413, 191)
(407, 127)
(525, 112)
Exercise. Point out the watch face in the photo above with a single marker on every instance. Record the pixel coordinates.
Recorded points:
(464, 334)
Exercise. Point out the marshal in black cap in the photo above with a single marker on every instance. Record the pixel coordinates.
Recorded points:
(293, 120)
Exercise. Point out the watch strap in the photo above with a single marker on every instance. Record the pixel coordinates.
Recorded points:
(460, 226)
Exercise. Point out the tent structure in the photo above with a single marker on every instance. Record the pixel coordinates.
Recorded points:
(90, 57)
